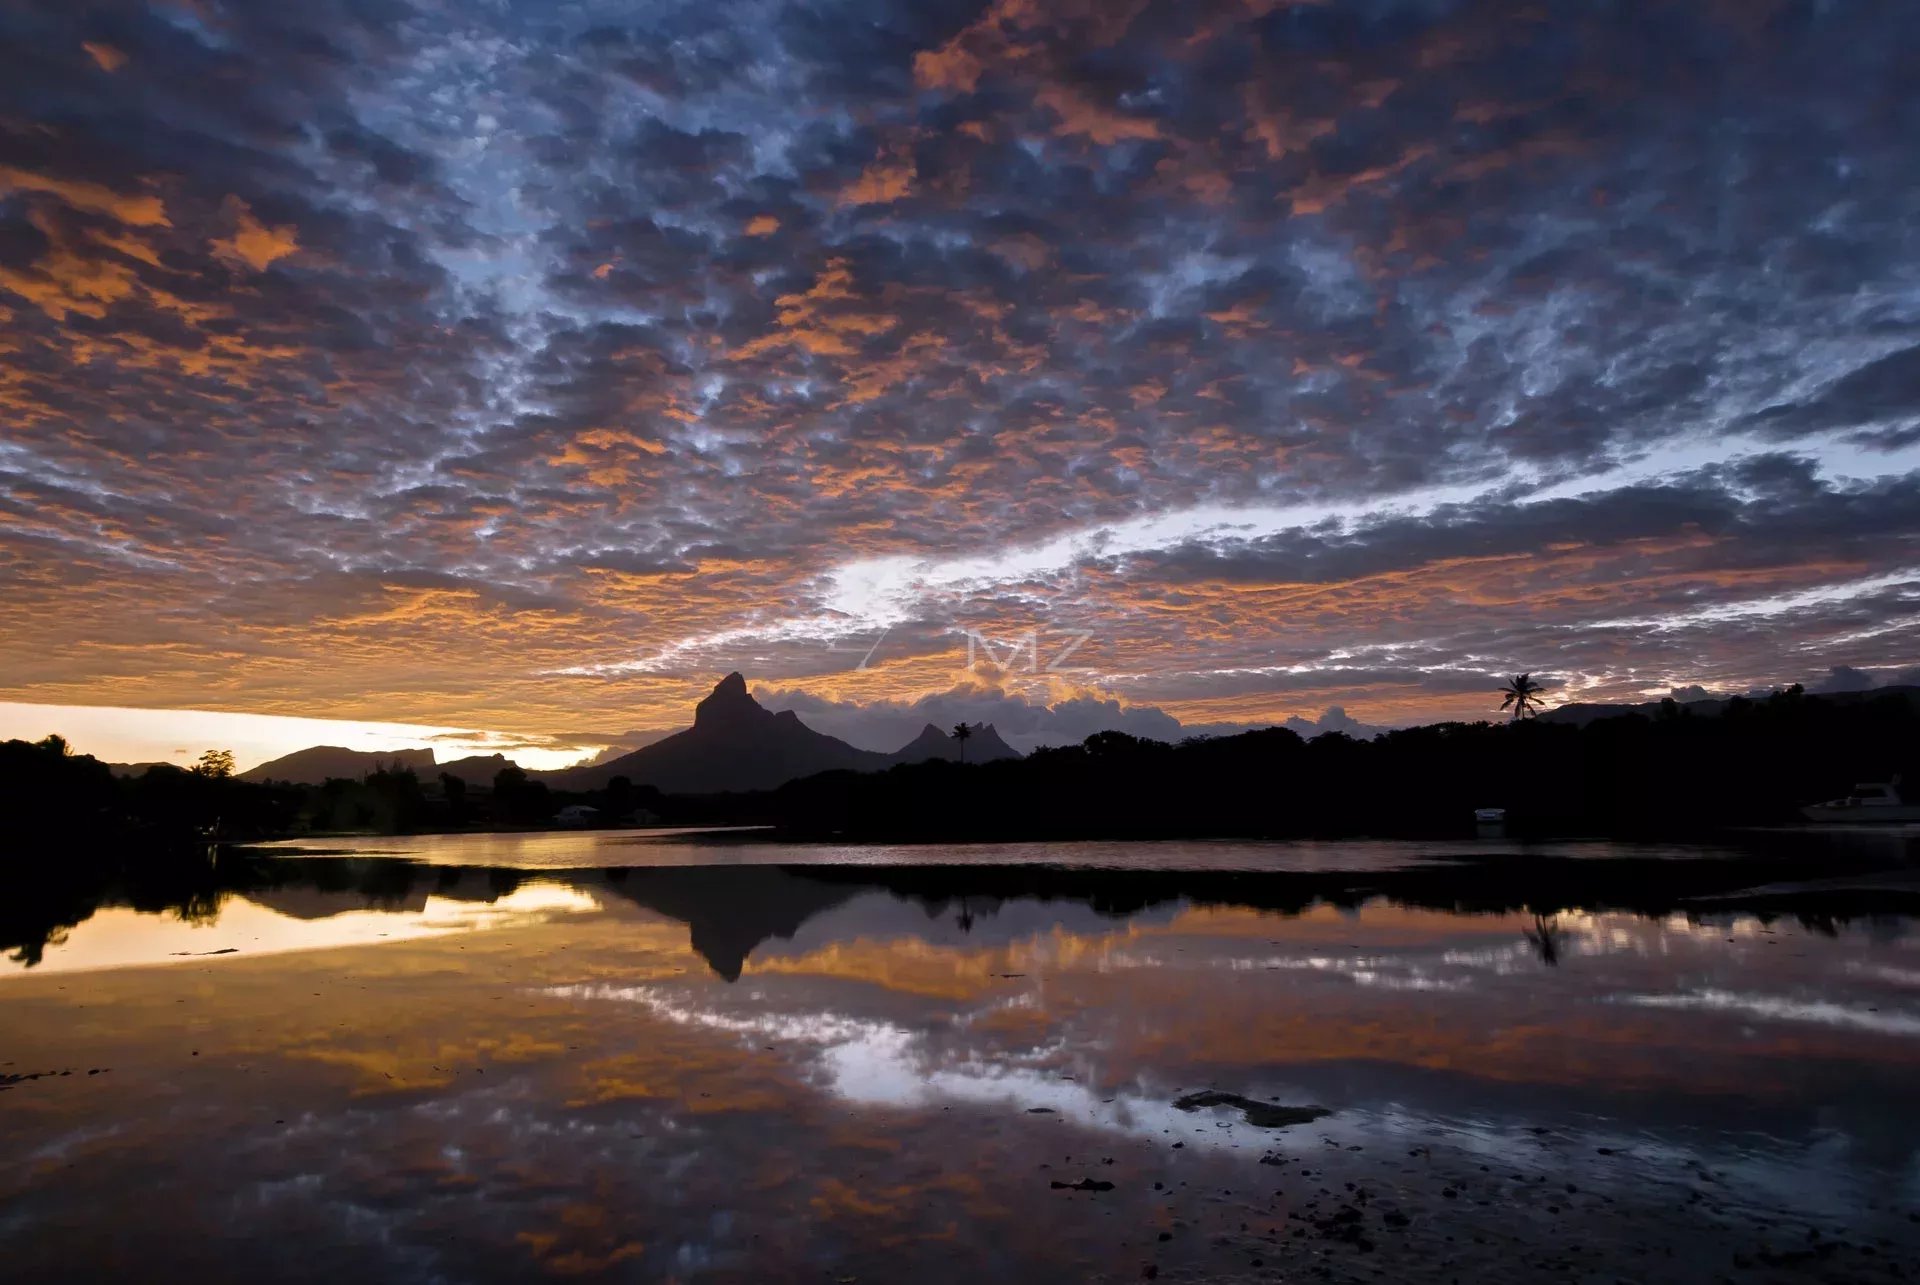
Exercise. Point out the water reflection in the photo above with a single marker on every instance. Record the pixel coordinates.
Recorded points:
(283, 919)
(249, 900)
(747, 845)
(751, 1073)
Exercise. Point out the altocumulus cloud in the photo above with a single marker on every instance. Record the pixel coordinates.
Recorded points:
(522, 366)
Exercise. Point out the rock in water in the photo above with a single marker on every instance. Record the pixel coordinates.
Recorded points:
(1261, 1115)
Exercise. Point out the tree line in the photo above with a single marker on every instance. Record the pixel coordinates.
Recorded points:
(1673, 772)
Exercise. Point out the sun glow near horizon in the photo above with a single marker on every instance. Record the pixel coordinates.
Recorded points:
(127, 734)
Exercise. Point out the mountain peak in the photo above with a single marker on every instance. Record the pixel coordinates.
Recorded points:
(937, 743)
(728, 702)
(735, 743)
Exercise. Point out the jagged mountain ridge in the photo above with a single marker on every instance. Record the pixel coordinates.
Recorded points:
(984, 746)
(736, 743)
(476, 769)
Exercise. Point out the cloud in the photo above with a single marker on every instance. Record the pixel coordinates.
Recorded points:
(254, 244)
(1335, 719)
(105, 56)
(888, 179)
(525, 367)
(1694, 692)
(1024, 723)
(1887, 388)
(1847, 678)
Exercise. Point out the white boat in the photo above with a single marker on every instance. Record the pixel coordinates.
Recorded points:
(1489, 816)
(1870, 801)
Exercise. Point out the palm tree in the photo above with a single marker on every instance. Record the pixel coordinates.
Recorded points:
(1522, 696)
(960, 733)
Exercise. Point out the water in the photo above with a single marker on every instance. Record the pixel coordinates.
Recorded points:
(740, 1071)
(746, 846)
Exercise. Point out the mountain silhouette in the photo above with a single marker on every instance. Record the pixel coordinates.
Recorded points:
(984, 746)
(137, 769)
(477, 769)
(1579, 714)
(320, 763)
(731, 910)
(735, 743)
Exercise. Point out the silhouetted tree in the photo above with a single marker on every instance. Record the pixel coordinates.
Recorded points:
(619, 797)
(1754, 765)
(962, 733)
(399, 805)
(455, 791)
(46, 789)
(1522, 696)
(215, 764)
(518, 799)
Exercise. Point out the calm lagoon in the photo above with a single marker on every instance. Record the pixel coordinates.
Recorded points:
(490, 1058)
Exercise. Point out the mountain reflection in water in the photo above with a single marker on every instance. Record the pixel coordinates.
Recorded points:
(1644, 1069)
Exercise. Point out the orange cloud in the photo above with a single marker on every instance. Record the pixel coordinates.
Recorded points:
(253, 243)
(1080, 115)
(762, 225)
(109, 59)
(949, 67)
(66, 281)
(888, 179)
(137, 211)
(806, 322)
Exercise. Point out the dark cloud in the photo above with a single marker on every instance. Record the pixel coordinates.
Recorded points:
(1694, 692)
(1845, 678)
(1877, 392)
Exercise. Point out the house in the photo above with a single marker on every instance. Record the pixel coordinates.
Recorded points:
(577, 814)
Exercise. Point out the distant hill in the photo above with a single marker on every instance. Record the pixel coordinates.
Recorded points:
(321, 763)
(984, 746)
(1579, 715)
(735, 743)
(136, 769)
(477, 769)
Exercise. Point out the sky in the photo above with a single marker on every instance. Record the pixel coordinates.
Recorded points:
(513, 370)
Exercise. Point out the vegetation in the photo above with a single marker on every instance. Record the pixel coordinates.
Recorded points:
(1522, 696)
(48, 791)
(1678, 772)
(217, 764)
(1675, 772)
